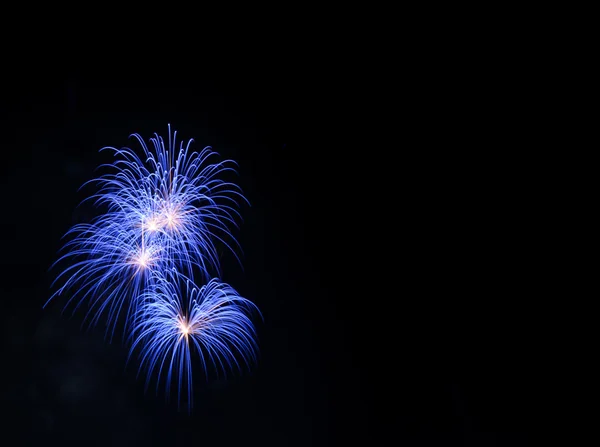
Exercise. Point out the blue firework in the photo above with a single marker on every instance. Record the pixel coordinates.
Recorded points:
(178, 194)
(178, 319)
(109, 266)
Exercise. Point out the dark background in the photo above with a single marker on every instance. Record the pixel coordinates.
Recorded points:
(384, 312)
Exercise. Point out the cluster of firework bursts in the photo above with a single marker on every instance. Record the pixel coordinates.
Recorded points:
(167, 212)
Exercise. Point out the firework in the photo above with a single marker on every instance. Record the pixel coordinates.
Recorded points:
(165, 212)
(179, 319)
(109, 266)
(178, 194)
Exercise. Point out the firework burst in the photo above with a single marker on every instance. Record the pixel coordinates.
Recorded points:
(166, 212)
(109, 266)
(179, 318)
(179, 194)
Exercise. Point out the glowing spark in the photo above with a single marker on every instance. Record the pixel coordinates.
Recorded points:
(144, 259)
(152, 225)
(184, 327)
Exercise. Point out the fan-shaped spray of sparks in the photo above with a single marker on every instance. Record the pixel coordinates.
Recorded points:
(109, 267)
(178, 318)
(179, 194)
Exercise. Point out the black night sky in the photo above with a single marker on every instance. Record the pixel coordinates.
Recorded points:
(383, 314)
